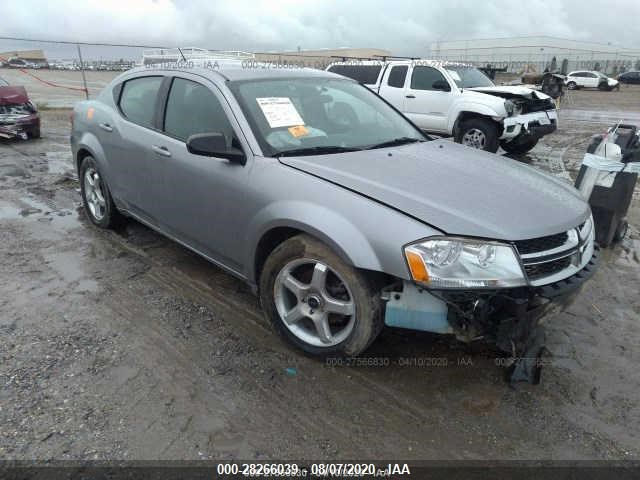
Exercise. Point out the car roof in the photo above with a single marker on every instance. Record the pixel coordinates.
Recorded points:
(417, 61)
(232, 72)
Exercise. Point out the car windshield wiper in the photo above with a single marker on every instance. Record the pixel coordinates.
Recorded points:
(394, 142)
(319, 150)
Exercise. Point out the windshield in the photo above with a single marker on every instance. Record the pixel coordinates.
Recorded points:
(320, 115)
(469, 77)
(601, 75)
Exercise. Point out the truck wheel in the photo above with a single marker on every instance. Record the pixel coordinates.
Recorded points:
(519, 148)
(479, 133)
(317, 302)
(96, 197)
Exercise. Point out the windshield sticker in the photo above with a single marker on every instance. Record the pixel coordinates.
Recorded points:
(299, 131)
(454, 75)
(280, 112)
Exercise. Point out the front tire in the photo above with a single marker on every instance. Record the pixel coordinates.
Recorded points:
(572, 86)
(96, 196)
(519, 148)
(318, 302)
(479, 133)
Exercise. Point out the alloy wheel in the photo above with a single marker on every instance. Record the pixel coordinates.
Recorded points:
(94, 194)
(314, 302)
(474, 138)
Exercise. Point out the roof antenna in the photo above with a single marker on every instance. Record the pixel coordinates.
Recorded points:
(182, 54)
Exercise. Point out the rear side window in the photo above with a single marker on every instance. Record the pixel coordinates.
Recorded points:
(367, 74)
(397, 76)
(193, 108)
(423, 78)
(138, 99)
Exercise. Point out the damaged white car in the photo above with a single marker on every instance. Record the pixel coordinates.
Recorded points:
(459, 100)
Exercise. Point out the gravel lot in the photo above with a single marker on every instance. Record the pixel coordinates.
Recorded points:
(124, 345)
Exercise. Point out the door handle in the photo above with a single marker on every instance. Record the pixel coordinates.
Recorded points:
(410, 96)
(161, 150)
(106, 127)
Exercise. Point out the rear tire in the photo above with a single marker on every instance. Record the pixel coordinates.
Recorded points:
(305, 281)
(519, 148)
(479, 133)
(96, 196)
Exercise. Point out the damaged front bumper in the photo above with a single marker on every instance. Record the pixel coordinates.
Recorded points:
(531, 125)
(508, 318)
(19, 126)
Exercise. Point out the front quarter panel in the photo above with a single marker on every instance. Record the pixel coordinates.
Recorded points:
(365, 233)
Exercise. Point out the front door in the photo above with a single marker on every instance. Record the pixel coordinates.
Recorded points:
(202, 201)
(425, 104)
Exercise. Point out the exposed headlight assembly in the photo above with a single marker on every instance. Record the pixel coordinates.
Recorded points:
(510, 107)
(450, 263)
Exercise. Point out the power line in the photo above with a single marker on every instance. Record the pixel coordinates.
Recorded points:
(65, 42)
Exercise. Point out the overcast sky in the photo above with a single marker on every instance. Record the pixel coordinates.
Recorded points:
(404, 27)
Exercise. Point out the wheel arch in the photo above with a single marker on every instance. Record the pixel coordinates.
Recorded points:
(465, 115)
(90, 146)
(350, 244)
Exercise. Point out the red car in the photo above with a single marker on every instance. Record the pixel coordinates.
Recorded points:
(18, 115)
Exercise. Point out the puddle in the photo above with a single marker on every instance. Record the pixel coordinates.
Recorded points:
(11, 170)
(60, 163)
(27, 208)
(69, 266)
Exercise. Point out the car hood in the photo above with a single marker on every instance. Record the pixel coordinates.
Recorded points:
(509, 91)
(13, 95)
(458, 190)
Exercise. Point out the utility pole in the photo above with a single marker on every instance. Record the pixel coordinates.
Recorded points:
(84, 78)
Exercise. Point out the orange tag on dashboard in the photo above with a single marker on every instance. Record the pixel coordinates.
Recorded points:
(90, 113)
(298, 131)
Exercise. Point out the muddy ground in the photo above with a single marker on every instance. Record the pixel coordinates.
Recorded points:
(124, 345)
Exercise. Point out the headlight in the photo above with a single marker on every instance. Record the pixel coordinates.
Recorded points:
(447, 262)
(510, 107)
(586, 228)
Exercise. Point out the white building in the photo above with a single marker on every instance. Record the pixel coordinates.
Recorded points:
(520, 54)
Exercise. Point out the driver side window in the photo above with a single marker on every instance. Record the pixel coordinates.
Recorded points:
(193, 108)
(424, 77)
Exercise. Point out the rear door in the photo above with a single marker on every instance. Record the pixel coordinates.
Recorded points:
(127, 143)
(426, 106)
(393, 85)
(202, 200)
(591, 79)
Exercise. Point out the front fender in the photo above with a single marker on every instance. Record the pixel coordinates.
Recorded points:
(326, 225)
(472, 107)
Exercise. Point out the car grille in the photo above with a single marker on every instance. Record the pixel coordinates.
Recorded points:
(542, 243)
(540, 270)
(538, 106)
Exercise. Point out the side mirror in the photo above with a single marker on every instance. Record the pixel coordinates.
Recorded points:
(442, 85)
(214, 145)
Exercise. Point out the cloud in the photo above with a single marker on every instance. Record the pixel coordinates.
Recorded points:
(404, 27)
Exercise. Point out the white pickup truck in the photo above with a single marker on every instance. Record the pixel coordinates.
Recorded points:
(460, 101)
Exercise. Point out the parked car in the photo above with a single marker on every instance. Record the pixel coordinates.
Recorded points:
(18, 115)
(588, 79)
(630, 77)
(340, 213)
(459, 100)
